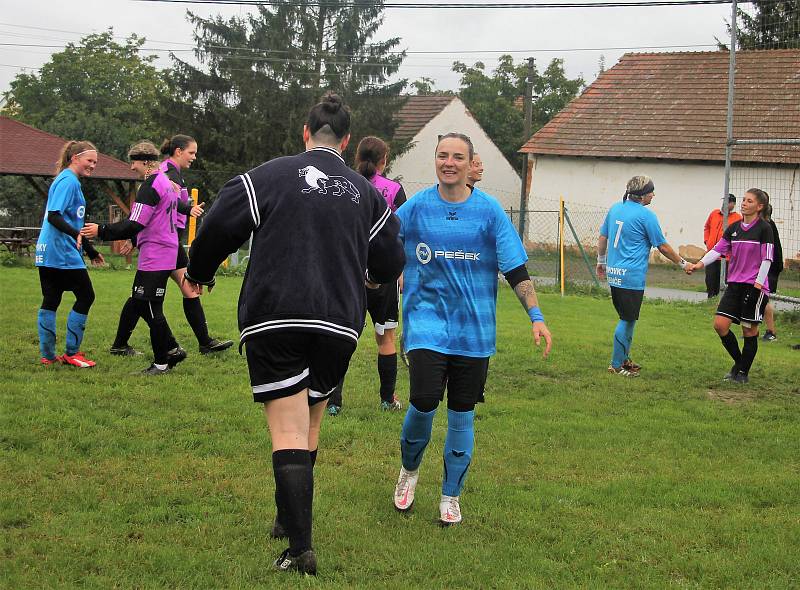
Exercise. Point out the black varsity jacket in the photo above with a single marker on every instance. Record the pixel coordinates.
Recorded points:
(319, 228)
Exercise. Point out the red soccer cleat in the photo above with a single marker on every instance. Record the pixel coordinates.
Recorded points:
(77, 360)
(47, 362)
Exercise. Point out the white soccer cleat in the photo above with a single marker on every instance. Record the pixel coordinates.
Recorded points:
(449, 510)
(404, 490)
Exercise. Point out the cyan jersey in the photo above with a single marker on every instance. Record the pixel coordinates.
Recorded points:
(453, 252)
(632, 230)
(54, 248)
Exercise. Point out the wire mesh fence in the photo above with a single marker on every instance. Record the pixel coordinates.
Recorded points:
(764, 116)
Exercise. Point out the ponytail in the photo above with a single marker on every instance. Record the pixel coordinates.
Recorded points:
(370, 153)
(176, 142)
(70, 149)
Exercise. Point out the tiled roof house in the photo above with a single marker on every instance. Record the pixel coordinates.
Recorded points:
(664, 115)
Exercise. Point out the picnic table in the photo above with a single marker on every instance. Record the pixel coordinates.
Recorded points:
(19, 240)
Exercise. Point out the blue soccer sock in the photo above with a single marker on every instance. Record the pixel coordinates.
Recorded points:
(457, 450)
(47, 333)
(76, 325)
(623, 337)
(415, 436)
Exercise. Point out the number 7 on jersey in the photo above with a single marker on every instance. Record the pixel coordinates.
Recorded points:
(619, 232)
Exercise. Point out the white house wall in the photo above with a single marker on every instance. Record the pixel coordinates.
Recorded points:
(685, 192)
(416, 168)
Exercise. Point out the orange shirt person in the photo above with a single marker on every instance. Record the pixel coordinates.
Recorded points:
(712, 233)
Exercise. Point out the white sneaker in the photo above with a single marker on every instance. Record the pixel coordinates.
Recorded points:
(449, 510)
(404, 490)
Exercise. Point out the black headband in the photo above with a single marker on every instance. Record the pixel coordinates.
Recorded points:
(143, 157)
(645, 190)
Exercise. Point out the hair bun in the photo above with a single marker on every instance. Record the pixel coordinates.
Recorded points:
(165, 147)
(331, 102)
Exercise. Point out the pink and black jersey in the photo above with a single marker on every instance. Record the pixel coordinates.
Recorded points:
(172, 171)
(748, 246)
(392, 191)
(156, 209)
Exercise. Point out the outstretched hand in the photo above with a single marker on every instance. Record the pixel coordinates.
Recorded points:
(99, 260)
(540, 331)
(196, 288)
(89, 230)
(197, 210)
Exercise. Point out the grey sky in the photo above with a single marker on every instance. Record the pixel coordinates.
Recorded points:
(543, 34)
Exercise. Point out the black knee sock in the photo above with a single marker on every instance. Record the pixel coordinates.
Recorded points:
(731, 344)
(387, 371)
(193, 310)
(279, 515)
(294, 492)
(749, 350)
(127, 323)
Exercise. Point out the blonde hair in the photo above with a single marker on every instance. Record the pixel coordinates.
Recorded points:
(70, 149)
(145, 151)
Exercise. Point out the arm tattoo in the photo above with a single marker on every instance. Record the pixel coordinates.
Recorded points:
(526, 294)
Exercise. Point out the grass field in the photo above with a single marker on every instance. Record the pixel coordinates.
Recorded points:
(579, 478)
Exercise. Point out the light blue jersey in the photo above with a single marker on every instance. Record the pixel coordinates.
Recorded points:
(54, 248)
(632, 230)
(453, 253)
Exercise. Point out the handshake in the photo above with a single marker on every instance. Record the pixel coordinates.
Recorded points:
(689, 267)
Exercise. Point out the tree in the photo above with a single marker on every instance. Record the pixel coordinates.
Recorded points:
(775, 24)
(97, 89)
(495, 100)
(260, 74)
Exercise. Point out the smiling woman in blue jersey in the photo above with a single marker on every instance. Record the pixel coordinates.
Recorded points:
(627, 235)
(59, 255)
(456, 239)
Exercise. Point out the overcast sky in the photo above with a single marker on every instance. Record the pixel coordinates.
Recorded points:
(433, 38)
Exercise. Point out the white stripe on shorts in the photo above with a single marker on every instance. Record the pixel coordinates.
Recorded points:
(318, 394)
(280, 384)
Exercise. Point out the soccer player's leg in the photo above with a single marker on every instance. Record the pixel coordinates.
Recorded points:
(128, 317)
(428, 376)
(81, 285)
(628, 303)
(729, 311)
(382, 305)
(753, 308)
(465, 382)
(46, 318)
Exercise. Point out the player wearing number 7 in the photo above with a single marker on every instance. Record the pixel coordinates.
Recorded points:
(628, 233)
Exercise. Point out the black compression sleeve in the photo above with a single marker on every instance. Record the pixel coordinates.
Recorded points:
(122, 230)
(516, 275)
(185, 207)
(57, 220)
(88, 247)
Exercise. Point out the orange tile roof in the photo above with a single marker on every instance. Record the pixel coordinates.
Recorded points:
(673, 106)
(417, 112)
(25, 150)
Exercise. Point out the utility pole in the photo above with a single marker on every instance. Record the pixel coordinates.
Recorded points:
(523, 192)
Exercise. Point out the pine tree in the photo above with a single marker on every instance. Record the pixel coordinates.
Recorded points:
(260, 74)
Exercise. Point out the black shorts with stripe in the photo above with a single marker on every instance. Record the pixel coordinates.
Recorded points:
(282, 363)
(742, 302)
(383, 307)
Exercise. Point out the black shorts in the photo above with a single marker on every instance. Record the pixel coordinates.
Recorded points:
(742, 302)
(182, 260)
(150, 284)
(430, 372)
(284, 363)
(54, 281)
(627, 302)
(382, 305)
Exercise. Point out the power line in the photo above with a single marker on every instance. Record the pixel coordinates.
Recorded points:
(438, 6)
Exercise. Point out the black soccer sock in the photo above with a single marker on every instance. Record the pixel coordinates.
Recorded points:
(280, 516)
(127, 323)
(731, 344)
(294, 492)
(387, 371)
(152, 312)
(749, 350)
(193, 310)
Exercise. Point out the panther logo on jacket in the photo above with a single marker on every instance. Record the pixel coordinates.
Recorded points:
(323, 184)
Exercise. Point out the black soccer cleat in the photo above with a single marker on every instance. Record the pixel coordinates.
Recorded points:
(732, 373)
(215, 345)
(126, 350)
(153, 371)
(278, 532)
(305, 563)
(175, 356)
(740, 378)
